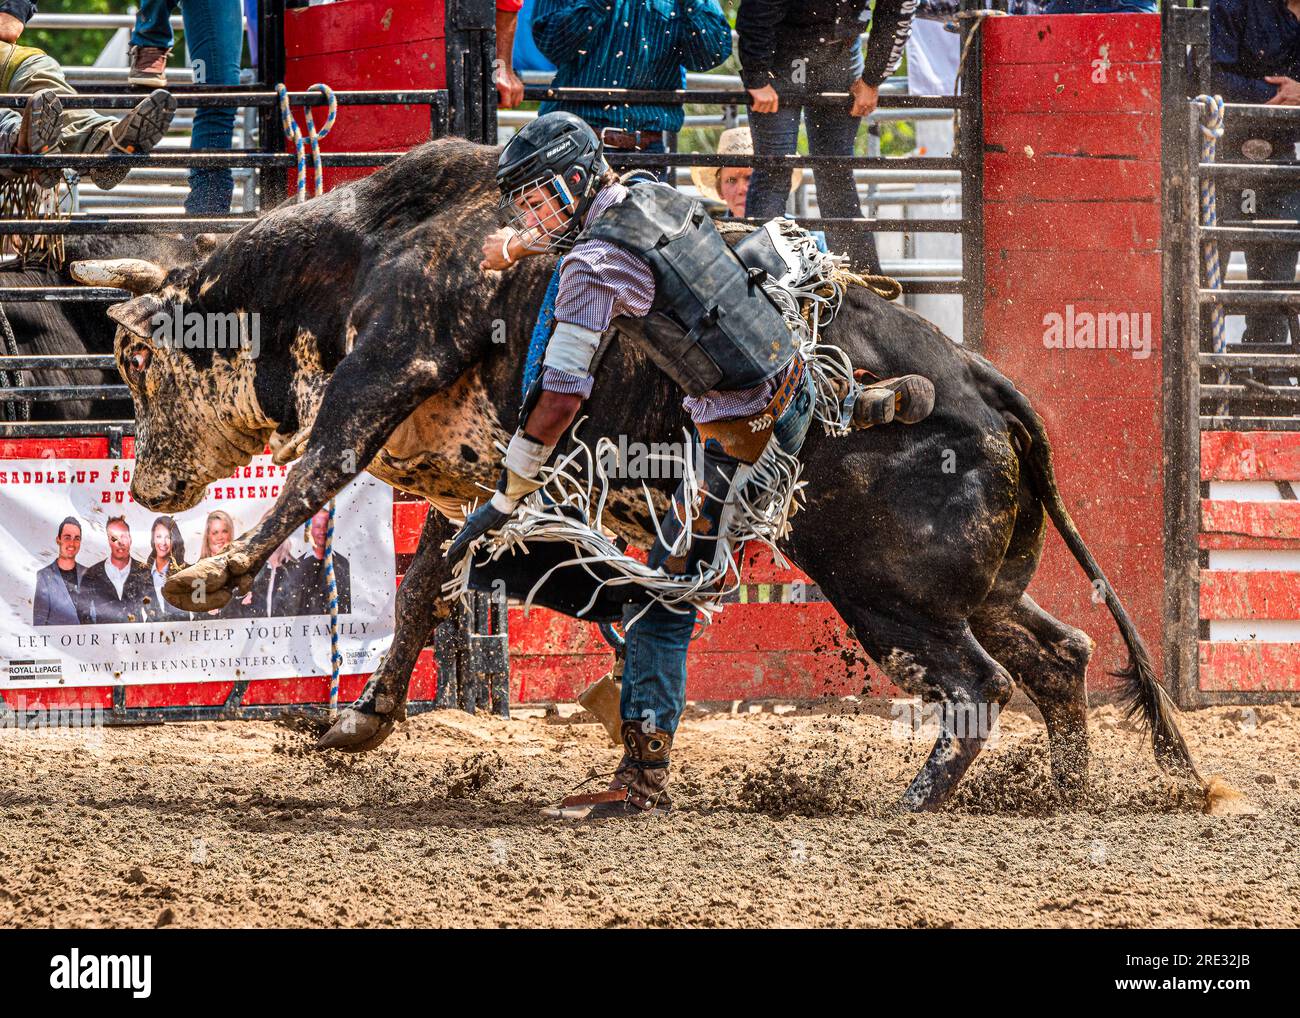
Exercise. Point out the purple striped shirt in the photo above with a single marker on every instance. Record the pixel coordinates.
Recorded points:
(600, 281)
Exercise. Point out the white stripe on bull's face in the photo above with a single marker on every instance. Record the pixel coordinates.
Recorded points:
(134, 274)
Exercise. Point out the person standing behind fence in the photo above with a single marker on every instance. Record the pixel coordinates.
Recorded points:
(1255, 58)
(787, 47)
(641, 44)
(54, 130)
(214, 36)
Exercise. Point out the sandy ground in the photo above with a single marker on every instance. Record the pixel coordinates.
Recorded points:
(785, 818)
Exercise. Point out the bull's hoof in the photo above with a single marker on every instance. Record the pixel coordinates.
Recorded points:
(356, 732)
(210, 583)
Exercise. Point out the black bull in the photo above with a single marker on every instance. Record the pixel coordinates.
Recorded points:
(383, 344)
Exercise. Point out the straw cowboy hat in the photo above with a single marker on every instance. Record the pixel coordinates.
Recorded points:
(733, 141)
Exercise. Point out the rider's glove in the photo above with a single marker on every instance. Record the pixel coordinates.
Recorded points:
(523, 463)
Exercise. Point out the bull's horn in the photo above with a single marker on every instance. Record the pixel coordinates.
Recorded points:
(134, 274)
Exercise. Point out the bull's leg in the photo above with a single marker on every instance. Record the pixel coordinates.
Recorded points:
(420, 606)
(1049, 660)
(943, 664)
(371, 392)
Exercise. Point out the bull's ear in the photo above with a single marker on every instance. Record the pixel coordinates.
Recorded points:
(136, 315)
(134, 274)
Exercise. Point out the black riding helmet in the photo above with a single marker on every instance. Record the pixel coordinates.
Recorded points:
(558, 151)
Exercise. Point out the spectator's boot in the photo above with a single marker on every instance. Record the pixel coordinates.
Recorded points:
(148, 65)
(640, 785)
(135, 134)
(38, 133)
(907, 399)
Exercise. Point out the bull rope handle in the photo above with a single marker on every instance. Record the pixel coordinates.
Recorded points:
(314, 136)
(1211, 132)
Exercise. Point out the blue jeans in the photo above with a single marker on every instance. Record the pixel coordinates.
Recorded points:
(654, 671)
(215, 38)
(831, 132)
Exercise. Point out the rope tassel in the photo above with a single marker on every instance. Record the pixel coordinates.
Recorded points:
(314, 137)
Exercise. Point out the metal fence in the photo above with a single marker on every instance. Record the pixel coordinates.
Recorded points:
(1214, 385)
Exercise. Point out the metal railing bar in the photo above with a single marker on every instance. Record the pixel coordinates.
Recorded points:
(201, 158)
(62, 393)
(237, 96)
(64, 362)
(629, 158)
(1249, 360)
(1245, 298)
(1229, 423)
(720, 97)
(59, 295)
(1251, 234)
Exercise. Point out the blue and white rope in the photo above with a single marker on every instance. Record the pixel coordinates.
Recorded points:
(314, 136)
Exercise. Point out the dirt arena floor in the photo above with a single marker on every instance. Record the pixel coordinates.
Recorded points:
(785, 818)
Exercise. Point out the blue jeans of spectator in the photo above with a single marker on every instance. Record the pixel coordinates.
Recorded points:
(1269, 263)
(831, 132)
(1101, 7)
(654, 670)
(215, 38)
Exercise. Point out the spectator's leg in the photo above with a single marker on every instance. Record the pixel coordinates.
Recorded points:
(215, 37)
(1266, 262)
(833, 132)
(773, 134)
(153, 25)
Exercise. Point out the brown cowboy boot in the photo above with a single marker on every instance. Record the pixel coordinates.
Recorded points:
(907, 398)
(640, 782)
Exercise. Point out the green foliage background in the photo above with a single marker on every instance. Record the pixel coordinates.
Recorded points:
(78, 46)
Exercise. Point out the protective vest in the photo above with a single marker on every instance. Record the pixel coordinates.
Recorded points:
(711, 325)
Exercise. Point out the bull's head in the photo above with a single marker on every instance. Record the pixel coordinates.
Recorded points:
(196, 412)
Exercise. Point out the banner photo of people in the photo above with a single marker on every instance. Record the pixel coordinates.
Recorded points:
(83, 569)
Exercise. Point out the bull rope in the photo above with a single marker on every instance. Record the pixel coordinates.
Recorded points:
(1211, 132)
(570, 504)
(314, 136)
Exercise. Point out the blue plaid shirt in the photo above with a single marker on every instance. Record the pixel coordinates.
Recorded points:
(647, 44)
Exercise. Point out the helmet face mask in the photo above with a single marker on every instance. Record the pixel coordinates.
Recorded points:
(541, 213)
(548, 175)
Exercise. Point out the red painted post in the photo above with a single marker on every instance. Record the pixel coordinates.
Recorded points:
(1073, 291)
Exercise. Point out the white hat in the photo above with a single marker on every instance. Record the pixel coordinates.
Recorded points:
(733, 141)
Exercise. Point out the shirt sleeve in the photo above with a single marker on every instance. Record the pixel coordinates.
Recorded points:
(20, 9)
(891, 24)
(561, 28)
(703, 34)
(598, 282)
(1225, 55)
(510, 6)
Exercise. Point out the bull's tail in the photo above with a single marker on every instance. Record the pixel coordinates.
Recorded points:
(1142, 693)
